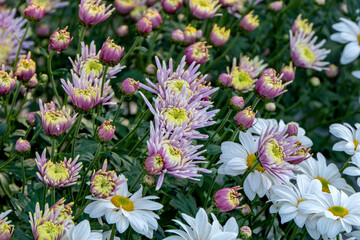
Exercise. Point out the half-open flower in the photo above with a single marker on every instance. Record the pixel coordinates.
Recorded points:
(7, 81)
(92, 12)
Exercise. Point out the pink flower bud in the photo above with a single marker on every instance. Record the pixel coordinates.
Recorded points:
(33, 82)
(228, 3)
(276, 6)
(197, 52)
(189, 34)
(270, 106)
(129, 86)
(150, 69)
(106, 131)
(124, 6)
(292, 129)
(237, 103)
(7, 81)
(123, 30)
(171, 6)
(332, 71)
(92, 12)
(149, 180)
(43, 30)
(227, 199)
(245, 232)
(144, 25)
(245, 118)
(245, 210)
(154, 16)
(22, 146)
(204, 10)
(60, 40)
(219, 36)
(288, 73)
(30, 119)
(25, 67)
(154, 164)
(177, 36)
(249, 22)
(34, 12)
(110, 52)
(225, 79)
(269, 85)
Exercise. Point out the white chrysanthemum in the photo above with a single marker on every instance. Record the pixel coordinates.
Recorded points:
(350, 136)
(352, 170)
(327, 174)
(333, 213)
(237, 158)
(81, 231)
(356, 74)
(200, 228)
(124, 209)
(349, 34)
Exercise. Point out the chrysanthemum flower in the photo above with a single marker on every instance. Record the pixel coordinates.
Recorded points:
(288, 72)
(249, 22)
(124, 209)
(25, 67)
(49, 5)
(189, 34)
(144, 25)
(7, 81)
(22, 146)
(204, 9)
(154, 16)
(328, 175)
(197, 52)
(270, 85)
(92, 12)
(302, 25)
(34, 12)
(354, 170)
(306, 53)
(85, 91)
(55, 122)
(6, 230)
(111, 53)
(244, 75)
(82, 231)
(245, 118)
(57, 174)
(219, 36)
(200, 228)
(60, 40)
(124, 6)
(227, 199)
(171, 6)
(65, 211)
(349, 135)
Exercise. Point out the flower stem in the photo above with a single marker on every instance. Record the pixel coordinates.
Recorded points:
(53, 146)
(20, 45)
(137, 40)
(118, 108)
(152, 46)
(345, 165)
(37, 133)
(209, 191)
(44, 195)
(139, 142)
(81, 38)
(105, 68)
(248, 98)
(23, 174)
(77, 128)
(53, 199)
(16, 94)
(137, 179)
(255, 103)
(51, 75)
(113, 231)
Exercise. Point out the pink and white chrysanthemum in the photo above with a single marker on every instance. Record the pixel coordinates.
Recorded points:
(82, 231)
(6, 230)
(7, 81)
(170, 153)
(354, 170)
(88, 63)
(49, 5)
(350, 137)
(168, 78)
(85, 92)
(124, 209)
(11, 29)
(92, 12)
(306, 53)
(57, 174)
(204, 9)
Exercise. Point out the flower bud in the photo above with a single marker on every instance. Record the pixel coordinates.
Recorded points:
(245, 232)
(33, 82)
(34, 12)
(124, 6)
(292, 129)
(30, 119)
(225, 79)
(228, 3)
(106, 131)
(154, 164)
(197, 52)
(110, 52)
(270, 106)
(219, 36)
(25, 67)
(320, 2)
(129, 86)
(189, 34)
(177, 36)
(269, 85)
(154, 16)
(249, 22)
(92, 12)
(150, 69)
(148, 180)
(332, 71)
(44, 78)
(204, 9)
(343, 8)
(171, 6)
(315, 81)
(123, 30)
(7, 81)
(276, 6)
(43, 30)
(237, 103)
(227, 199)
(22, 146)
(245, 118)
(245, 210)
(144, 25)
(60, 40)
(199, 33)
(288, 73)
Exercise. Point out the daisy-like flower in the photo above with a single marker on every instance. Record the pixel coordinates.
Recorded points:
(306, 53)
(47, 224)
(200, 228)
(348, 32)
(88, 63)
(172, 154)
(350, 136)
(7, 81)
(333, 213)
(6, 230)
(55, 122)
(328, 175)
(124, 209)
(49, 5)
(204, 9)
(92, 12)
(82, 231)
(11, 29)
(244, 75)
(85, 92)
(58, 174)
(354, 170)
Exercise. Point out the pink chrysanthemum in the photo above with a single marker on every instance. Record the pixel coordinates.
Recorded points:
(204, 9)
(92, 12)
(7, 81)
(58, 174)
(49, 5)
(6, 230)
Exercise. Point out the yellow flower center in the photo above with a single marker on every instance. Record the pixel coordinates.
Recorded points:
(177, 85)
(87, 93)
(93, 8)
(306, 54)
(275, 152)
(103, 184)
(122, 202)
(174, 153)
(356, 143)
(221, 32)
(5, 78)
(57, 171)
(253, 19)
(338, 211)
(47, 4)
(325, 184)
(25, 64)
(190, 30)
(4, 227)
(241, 80)
(49, 231)
(233, 197)
(299, 201)
(55, 117)
(304, 25)
(5, 49)
(205, 4)
(176, 115)
(251, 160)
(93, 65)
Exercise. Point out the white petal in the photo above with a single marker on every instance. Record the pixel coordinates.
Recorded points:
(350, 53)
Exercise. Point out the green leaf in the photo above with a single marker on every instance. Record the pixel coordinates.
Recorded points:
(184, 204)
(44, 52)
(60, 71)
(141, 49)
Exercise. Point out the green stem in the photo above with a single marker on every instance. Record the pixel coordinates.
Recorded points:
(287, 230)
(137, 40)
(66, 136)
(53, 199)
(249, 171)
(36, 135)
(77, 128)
(8, 161)
(21, 105)
(53, 146)
(152, 46)
(51, 75)
(44, 195)
(105, 68)
(345, 165)
(255, 103)
(137, 179)
(248, 98)
(113, 231)
(170, 52)
(118, 108)
(27, 132)
(209, 191)
(139, 142)
(261, 211)
(270, 225)
(20, 46)
(81, 38)
(292, 237)
(23, 174)
(16, 94)
(232, 138)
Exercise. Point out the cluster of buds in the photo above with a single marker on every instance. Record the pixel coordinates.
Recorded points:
(197, 52)
(34, 12)
(111, 53)
(25, 67)
(245, 119)
(92, 12)
(188, 36)
(106, 131)
(7, 81)
(228, 199)
(129, 86)
(22, 146)
(249, 22)
(270, 85)
(171, 6)
(60, 40)
(219, 36)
